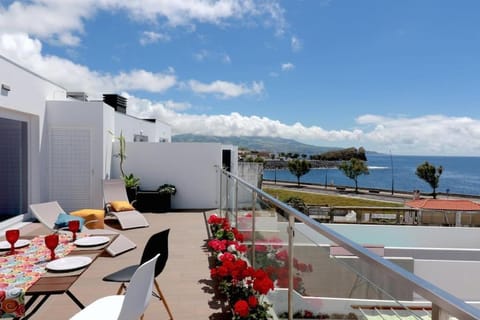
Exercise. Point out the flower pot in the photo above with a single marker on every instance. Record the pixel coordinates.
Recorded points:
(131, 193)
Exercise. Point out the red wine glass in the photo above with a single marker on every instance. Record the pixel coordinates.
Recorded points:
(74, 226)
(51, 241)
(12, 236)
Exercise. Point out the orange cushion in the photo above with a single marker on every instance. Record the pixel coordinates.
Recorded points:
(118, 206)
(93, 217)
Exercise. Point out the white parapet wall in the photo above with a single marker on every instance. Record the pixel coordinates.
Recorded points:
(403, 236)
(191, 167)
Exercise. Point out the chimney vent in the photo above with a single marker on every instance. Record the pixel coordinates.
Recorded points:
(116, 101)
(81, 96)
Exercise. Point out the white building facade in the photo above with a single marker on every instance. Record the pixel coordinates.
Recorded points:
(54, 147)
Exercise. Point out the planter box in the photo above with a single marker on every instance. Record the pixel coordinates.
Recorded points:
(153, 201)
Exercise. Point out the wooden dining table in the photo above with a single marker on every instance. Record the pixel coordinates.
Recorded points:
(53, 283)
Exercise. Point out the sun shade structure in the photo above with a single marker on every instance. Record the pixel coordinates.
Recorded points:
(444, 204)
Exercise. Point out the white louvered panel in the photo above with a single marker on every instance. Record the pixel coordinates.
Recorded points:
(70, 167)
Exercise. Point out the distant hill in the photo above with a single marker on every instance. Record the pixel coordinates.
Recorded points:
(268, 144)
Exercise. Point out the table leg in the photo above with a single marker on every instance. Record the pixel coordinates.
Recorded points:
(74, 299)
(30, 302)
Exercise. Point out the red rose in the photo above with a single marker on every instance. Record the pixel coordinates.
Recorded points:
(241, 308)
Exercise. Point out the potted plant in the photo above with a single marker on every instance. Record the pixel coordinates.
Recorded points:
(131, 182)
(166, 191)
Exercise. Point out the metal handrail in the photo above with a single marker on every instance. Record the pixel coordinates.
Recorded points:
(439, 297)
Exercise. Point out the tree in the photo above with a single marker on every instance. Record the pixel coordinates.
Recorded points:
(430, 175)
(298, 168)
(353, 169)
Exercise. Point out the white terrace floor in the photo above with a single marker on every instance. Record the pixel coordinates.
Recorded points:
(183, 281)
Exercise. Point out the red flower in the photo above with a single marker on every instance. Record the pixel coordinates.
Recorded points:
(282, 255)
(212, 219)
(252, 301)
(262, 284)
(222, 271)
(242, 248)
(218, 245)
(213, 274)
(241, 308)
(308, 314)
(227, 256)
(261, 248)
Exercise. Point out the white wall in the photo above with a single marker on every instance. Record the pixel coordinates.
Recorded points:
(456, 277)
(405, 236)
(26, 102)
(188, 166)
(80, 114)
(130, 126)
(163, 132)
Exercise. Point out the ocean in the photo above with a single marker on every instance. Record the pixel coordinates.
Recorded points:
(461, 175)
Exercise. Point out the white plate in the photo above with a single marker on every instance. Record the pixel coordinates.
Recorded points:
(68, 263)
(91, 241)
(5, 245)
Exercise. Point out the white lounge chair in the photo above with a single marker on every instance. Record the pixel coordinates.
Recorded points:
(114, 190)
(47, 213)
(130, 306)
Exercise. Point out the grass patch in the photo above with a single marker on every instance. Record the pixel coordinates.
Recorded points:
(330, 200)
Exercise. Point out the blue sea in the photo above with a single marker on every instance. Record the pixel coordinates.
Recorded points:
(461, 175)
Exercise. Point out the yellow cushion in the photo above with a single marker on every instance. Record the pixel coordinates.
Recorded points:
(118, 206)
(93, 217)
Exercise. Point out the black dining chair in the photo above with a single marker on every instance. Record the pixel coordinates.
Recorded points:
(158, 243)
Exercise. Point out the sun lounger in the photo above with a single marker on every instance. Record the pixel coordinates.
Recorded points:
(47, 213)
(114, 192)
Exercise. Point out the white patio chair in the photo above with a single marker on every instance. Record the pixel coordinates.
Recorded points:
(130, 306)
(47, 213)
(114, 190)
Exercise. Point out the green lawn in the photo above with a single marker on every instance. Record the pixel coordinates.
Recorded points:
(330, 200)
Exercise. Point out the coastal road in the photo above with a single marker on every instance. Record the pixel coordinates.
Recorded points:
(376, 194)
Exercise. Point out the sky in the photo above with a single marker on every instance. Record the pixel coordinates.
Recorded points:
(391, 76)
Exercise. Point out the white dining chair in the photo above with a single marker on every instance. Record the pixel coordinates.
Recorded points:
(130, 306)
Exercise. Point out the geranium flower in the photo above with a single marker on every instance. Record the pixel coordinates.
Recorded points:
(282, 255)
(241, 308)
(262, 283)
(252, 301)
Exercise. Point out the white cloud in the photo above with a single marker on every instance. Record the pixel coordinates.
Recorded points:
(428, 135)
(62, 21)
(296, 44)
(149, 37)
(431, 134)
(226, 89)
(288, 66)
(75, 77)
